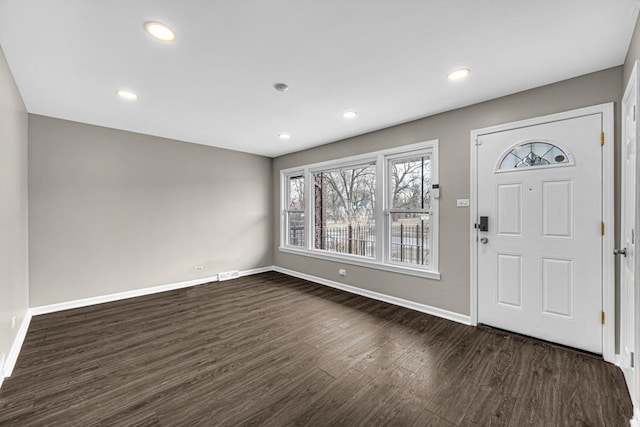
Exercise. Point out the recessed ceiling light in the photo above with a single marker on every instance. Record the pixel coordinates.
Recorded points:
(160, 31)
(126, 94)
(284, 136)
(349, 114)
(459, 74)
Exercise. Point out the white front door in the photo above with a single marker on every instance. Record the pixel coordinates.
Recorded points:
(540, 258)
(628, 295)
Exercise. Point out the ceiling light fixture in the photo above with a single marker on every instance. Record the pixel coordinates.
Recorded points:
(281, 87)
(284, 136)
(160, 31)
(459, 74)
(349, 114)
(126, 94)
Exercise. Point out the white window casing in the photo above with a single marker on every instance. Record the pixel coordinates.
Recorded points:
(380, 256)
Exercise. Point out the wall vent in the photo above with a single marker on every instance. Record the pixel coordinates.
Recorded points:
(228, 275)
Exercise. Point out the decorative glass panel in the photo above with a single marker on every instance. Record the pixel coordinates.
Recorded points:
(532, 154)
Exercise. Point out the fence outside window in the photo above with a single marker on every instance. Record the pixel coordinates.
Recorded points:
(409, 242)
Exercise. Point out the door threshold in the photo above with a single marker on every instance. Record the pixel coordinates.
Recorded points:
(541, 341)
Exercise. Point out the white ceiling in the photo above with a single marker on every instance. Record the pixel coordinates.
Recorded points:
(386, 59)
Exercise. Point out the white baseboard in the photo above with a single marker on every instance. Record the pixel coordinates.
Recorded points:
(635, 421)
(256, 271)
(12, 357)
(85, 302)
(450, 315)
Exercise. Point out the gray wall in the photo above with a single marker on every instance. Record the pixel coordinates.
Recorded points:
(113, 211)
(633, 54)
(452, 129)
(14, 266)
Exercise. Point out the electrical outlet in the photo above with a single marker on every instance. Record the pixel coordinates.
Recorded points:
(462, 203)
(342, 272)
(199, 268)
(13, 322)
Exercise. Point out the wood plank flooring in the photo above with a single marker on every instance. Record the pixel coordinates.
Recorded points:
(277, 351)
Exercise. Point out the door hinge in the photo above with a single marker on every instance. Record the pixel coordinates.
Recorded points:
(602, 228)
(601, 139)
(602, 318)
(632, 361)
(478, 141)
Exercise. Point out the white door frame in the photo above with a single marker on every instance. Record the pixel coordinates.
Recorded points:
(608, 215)
(632, 85)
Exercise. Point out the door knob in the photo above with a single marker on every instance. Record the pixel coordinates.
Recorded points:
(484, 240)
(622, 251)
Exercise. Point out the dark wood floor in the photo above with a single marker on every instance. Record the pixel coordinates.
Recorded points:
(274, 350)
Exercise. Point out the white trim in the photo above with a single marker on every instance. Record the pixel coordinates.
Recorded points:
(608, 216)
(256, 271)
(12, 357)
(359, 158)
(284, 202)
(360, 261)
(473, 233)
(635, 421)
(445, 314)
(85, 302)
(632, 90)
(608, 242)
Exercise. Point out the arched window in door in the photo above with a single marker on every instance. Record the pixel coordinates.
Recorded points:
(537, 153)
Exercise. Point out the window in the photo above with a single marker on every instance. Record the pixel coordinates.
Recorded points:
(344, 214)
(409, 210)
(533, 154)
(294, 211)
(377, 210)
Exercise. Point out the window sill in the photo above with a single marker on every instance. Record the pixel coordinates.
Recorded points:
(362, 262)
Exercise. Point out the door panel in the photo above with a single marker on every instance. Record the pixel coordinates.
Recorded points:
(557, 287)
(540, 262)
(557, 208)
(510, 209)
(510, 280)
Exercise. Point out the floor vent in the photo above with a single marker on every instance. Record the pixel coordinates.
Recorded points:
(228, 275)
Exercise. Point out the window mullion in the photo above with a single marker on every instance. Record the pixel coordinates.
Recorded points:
(309, 202)
(381, 203)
